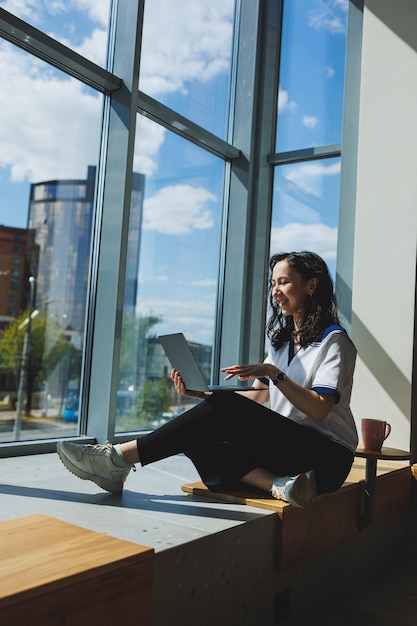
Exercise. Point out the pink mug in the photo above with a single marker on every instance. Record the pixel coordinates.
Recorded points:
(374, 433)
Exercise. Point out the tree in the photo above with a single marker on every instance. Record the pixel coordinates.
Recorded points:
(40, 361)
(156, 398)
(152, 395)
(134, 346)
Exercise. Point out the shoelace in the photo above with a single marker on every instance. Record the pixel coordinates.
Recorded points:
(103, 447)
(278, 489)
(100, 447)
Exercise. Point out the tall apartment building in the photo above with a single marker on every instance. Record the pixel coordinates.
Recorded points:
(59, 246)
(59, 236)
(59, 242)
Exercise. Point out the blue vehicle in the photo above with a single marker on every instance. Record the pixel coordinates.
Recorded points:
(71, 407)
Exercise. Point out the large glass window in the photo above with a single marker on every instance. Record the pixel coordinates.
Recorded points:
(48, 157)
(305, 208)
(184, 243)
(172, 273)
(311, 74)
(310, 105)
(186, 58)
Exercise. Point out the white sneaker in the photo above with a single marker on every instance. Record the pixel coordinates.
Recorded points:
(300, 490)
(93, 463)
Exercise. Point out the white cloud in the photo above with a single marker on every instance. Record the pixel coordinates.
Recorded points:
(193, 317)
(310, 121)
(284, 103)
(48, 139)
(149, 138)
(206, 282)
(34, 10)
(25, 9)
(97, 11)
(330, 15)
(53, 128)
(190, 41)
(178, 210)
(329, 71)
(309, 177)
(57, 134)
(318, 238)
(55, 7)
(93, 47)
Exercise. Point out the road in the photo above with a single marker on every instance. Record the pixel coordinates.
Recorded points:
(35, 427)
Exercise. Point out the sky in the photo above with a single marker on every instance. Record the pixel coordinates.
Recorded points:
(51, 130)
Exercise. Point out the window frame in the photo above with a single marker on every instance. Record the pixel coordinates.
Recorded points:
(249, 159)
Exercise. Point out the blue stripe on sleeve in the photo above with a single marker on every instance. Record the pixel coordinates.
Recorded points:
(327, 391)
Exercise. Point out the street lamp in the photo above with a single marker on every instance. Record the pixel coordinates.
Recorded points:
(25, 351)
(25, 357)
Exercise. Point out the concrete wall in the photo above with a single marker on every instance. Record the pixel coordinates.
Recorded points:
(382, 186)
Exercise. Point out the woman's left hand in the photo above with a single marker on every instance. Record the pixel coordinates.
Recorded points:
(244, 372)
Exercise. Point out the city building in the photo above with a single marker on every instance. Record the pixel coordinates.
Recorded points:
(59, 254)
(13, 273)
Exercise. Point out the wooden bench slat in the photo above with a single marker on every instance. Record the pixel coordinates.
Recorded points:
(254, 497)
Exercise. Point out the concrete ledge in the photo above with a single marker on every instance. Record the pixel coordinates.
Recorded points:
(215, 562)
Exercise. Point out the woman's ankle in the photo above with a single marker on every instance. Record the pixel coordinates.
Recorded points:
(129, 452)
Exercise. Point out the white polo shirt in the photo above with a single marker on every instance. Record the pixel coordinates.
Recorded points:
(327, 366)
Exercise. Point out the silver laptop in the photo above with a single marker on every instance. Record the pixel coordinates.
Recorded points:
(182, 359)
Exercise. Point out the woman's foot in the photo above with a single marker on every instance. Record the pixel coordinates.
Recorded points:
(300, 490)
(100, 463)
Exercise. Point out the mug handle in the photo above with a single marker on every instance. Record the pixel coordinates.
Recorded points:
(387, 430)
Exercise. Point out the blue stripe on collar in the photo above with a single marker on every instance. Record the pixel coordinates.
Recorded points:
(328, 330)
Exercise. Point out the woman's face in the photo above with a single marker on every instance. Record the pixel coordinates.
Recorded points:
(290, 290)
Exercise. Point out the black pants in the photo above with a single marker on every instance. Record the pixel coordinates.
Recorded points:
(228, 435)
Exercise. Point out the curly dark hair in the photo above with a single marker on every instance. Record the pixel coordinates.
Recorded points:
(321, 310)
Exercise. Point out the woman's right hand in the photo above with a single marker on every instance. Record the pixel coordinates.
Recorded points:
(182, 389)
(178, 383)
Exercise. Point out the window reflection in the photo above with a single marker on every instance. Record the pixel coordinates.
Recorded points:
(178, 227)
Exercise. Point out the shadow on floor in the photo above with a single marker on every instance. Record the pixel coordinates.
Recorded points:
(390, 599)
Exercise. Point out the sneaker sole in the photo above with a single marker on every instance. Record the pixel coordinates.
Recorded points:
(303, 491)
(105, 484)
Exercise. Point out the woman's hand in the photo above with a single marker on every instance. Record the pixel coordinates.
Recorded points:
(182, 389)
(244, 372)
(315, 405)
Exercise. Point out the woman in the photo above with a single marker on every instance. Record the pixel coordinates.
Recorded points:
(302, 445)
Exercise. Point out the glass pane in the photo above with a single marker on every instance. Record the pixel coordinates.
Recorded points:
(49, 147)
(173, 264)
(80, 25)
(305, 209)
(186, 58)
(310, 99)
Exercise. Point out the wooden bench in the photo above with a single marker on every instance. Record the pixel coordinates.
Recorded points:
(55, 573)
(333, 518)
